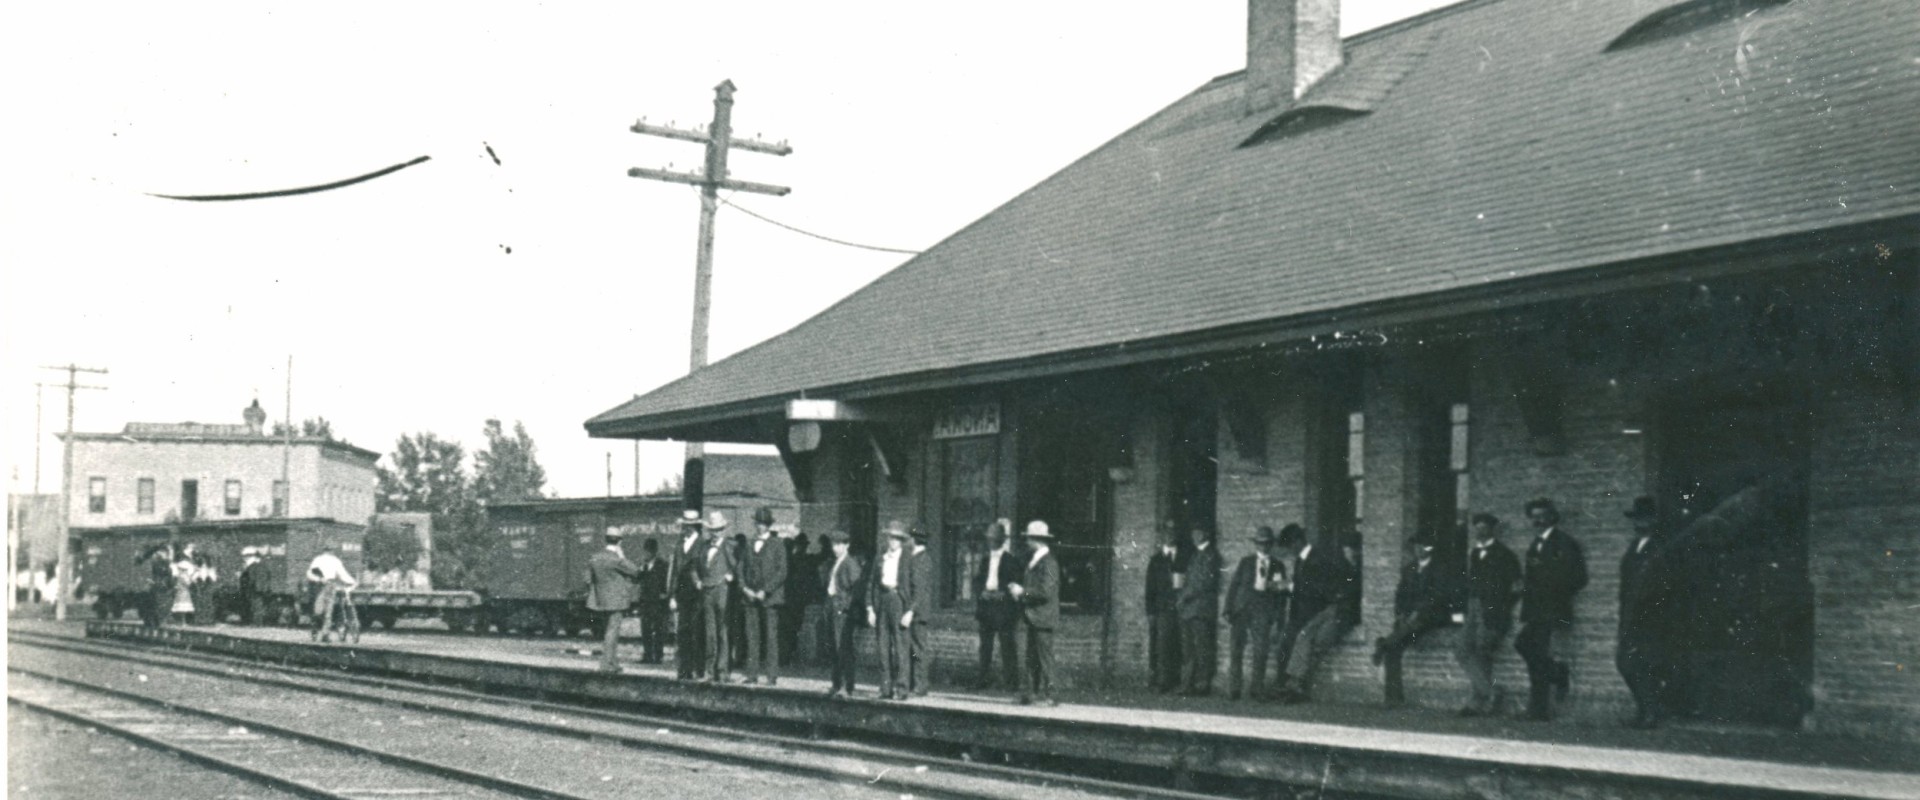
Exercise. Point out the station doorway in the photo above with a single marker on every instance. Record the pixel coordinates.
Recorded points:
(1733, 496)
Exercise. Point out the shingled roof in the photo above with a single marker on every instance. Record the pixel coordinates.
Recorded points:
(1484, 144)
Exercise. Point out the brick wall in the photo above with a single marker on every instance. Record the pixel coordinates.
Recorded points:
(1864, 543)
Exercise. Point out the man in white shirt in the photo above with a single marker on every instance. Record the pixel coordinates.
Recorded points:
(844, 587)
(890, 592)
(996, 610)
(334, 583)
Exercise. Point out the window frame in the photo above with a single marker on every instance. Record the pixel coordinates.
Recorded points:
(97, 494)
(232, 497)
(143, 494)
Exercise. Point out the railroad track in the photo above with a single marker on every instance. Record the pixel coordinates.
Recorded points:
(845, 763)
(300, 763)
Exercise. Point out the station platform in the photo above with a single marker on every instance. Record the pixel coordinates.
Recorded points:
(1344, 750)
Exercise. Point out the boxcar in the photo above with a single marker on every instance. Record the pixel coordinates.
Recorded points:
(111, 574)
(537, 551)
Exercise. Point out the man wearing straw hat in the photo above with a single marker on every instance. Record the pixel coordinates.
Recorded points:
(686, 566)
(718, 576)
(1038, 594)
(1257, 608)
(610, 579)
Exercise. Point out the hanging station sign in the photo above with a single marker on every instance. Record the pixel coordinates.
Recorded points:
(974, 419)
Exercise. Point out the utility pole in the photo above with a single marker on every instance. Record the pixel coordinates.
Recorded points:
(719, 139)
(64, 586)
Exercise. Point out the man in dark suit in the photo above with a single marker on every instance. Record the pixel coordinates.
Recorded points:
(652, 600)
(1257, 609)
(919, 649)
(1422, 603)
(846, 600)
(1492, 571)
(1163, 611)
(1200, 615)
(1556, 571)
(1038, 594)
(1326, 599)
(764, 586)
(684, 575)
(610, 578)
(995, 609)
(716, 587)
(1647, 603)
(890, 596)
(803, 590)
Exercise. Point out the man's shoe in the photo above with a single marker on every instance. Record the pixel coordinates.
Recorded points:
(1026, 699)
(919, 693)
(1049, 702)
(833, 691)
(751, 680)
(1470, 711)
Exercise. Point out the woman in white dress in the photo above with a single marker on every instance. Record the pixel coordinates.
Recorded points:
(183, 570)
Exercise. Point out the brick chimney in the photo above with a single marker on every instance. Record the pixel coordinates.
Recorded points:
(256, 418)
(1291, 44)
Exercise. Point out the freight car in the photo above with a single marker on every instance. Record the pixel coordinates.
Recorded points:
(110, 571)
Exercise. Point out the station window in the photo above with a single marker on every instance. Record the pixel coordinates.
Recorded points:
(96, 495)
(233, 498)
(144, 496)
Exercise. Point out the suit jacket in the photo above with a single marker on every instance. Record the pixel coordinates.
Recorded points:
(921, 603)
(1491, 574)
(1240, 593)
(848, 580)
(721, 574)
(1012, 569)
(1040, 593)
(610, 581)
(1160, 593)
(1200, 598)
(1425, 595)
(906, 588)
(686, 569)
(766, 571)
(1647, 601)
(1324, 578)
(655, 576)
(1556, 570)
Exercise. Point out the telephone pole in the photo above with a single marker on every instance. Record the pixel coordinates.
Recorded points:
(64, 586)
(719, 139)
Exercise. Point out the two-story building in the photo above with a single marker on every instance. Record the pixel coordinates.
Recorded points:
(151, 473)
(1508, 249)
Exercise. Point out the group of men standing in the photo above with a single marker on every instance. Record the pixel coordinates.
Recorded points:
(1289, 597)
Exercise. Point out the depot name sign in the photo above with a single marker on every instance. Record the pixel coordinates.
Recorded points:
(975, 419)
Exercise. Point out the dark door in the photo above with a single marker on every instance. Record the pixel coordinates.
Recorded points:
(1733, 486)
(189, 500)
(1193, 479)
(1064, 480)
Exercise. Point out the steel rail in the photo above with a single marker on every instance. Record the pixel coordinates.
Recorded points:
(448, 771)
(194, 755)
(848, 749)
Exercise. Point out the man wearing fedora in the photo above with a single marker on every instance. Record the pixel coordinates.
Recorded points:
(919, 650)
(1556, 570)
(686, 568)
(1647, 603)
(719, 578)
(846, 601)
(764, 586)
(1326, 601)
(1200, 616)
(1257, 610)
(610, 578)
(1038, 594)
(890, 600)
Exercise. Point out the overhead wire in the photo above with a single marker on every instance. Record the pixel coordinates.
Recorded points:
(749, 212)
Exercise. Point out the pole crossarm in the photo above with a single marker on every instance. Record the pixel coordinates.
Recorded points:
(64, 586)
(697, 179)
(701, 136)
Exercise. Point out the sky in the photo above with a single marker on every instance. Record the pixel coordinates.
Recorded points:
(544, 288)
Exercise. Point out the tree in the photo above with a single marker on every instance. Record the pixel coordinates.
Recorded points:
(312, 427)
(507, 471)
(390, 547)
(428, 474)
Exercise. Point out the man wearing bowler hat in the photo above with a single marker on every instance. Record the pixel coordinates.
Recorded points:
(719, 578)
(1038, 594)
(610, 578)
(1257, 609)
(890, 597)
(765, 589)
(846, 604)
(687, 567)
(1647, 604)
(919, 656)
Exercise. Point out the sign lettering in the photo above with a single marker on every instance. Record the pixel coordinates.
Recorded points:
(978, 419)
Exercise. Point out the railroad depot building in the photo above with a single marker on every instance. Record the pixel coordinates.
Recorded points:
(1505, 250)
